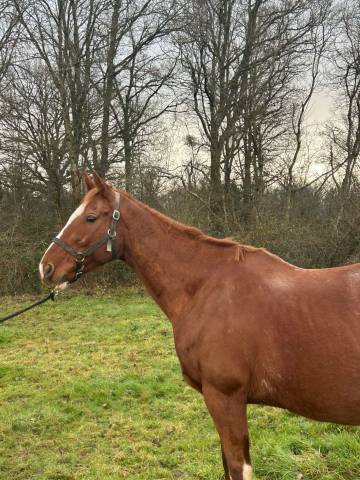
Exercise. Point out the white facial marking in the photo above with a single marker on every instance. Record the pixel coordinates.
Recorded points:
(41, 270)
(247, 472)
(73, 216)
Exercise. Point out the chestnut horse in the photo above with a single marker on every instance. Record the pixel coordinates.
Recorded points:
(248, 326)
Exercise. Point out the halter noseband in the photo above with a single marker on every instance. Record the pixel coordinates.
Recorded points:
(109, 239)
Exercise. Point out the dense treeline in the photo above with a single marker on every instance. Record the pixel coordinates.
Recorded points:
(204, 109)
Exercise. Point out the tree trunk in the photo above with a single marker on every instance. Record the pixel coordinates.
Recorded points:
(108, 90)
(128, 158)
(216, 191)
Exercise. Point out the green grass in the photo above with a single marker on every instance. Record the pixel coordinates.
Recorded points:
(90, 388)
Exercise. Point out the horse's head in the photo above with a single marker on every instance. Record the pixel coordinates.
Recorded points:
(88, 239)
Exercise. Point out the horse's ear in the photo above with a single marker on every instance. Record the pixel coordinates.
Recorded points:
(100, 184)
(89, 183)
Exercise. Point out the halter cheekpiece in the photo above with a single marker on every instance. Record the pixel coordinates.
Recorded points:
(109, 239)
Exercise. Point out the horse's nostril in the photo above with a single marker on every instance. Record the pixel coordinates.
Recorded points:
(48, 270)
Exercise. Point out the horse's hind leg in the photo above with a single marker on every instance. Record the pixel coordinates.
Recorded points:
(229, 414)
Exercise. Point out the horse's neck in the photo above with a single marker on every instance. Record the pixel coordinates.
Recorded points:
(172, 265)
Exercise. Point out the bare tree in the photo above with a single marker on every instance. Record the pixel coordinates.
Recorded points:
(318, 44)
(106, 63)
(33, 142)
(135, 75)
(9, 32)
(344, 133)
(63, 36)
(210, 49)
(240, 58)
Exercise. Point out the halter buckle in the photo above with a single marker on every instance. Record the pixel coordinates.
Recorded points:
(116, 215)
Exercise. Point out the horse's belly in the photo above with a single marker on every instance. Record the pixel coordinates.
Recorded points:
(344, 413)
(312, 368)
(331, 394)
(336, 401)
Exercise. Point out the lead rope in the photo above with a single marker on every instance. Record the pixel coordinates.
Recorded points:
(49, 296)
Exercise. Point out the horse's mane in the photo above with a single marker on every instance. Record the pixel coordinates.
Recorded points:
(195, 233)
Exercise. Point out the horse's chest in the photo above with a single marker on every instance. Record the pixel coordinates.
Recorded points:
(187, 349)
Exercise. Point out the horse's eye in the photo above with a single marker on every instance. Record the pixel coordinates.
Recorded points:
(91, 219)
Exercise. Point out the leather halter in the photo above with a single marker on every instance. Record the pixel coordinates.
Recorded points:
(109, 239)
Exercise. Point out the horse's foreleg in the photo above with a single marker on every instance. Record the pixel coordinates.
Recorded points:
(226, 468)
(229, 414)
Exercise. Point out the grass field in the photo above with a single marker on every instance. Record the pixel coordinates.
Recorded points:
(90, 388)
